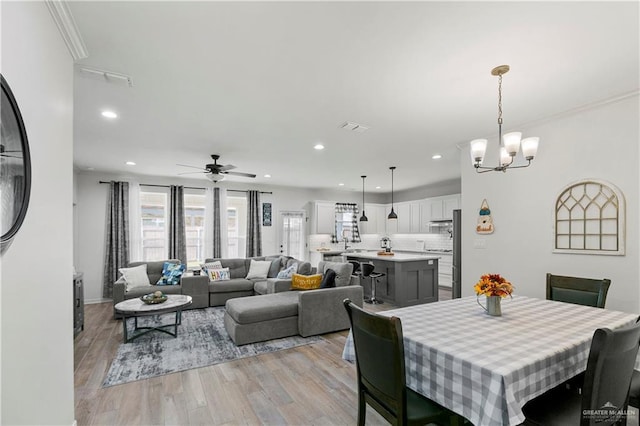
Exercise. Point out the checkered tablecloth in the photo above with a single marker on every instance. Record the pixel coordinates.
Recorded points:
(486, 368)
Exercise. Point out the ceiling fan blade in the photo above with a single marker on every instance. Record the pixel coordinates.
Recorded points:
(193, 167)
(250, 175)
(224, 168)
(191, 173)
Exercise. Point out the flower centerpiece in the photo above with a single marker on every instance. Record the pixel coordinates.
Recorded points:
(495, 287)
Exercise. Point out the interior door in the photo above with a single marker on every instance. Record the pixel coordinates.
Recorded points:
(291, 234)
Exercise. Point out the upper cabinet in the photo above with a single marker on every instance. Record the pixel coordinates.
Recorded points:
(323, 217)
(441, 208)
(377, 217)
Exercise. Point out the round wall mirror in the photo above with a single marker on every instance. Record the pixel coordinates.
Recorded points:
(15, 168)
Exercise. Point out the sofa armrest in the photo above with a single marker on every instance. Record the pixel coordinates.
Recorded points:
(278, 285)
(321, 311)
(196, 286)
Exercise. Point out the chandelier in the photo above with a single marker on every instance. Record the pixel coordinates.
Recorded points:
(509, 144)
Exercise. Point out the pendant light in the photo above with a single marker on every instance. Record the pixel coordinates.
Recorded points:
(393, 214)
(363, 218)
(509, 144)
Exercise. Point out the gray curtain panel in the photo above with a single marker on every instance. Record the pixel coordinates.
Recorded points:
(117, 235)
(254, 231)
(217, 232)
(177, 232)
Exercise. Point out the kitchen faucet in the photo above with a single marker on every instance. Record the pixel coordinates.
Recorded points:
(345, 244)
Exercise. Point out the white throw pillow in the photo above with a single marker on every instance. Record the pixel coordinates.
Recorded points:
(259, 269)
(135, 277)
(212, 265)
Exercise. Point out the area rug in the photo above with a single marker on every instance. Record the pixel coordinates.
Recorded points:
(202, 341)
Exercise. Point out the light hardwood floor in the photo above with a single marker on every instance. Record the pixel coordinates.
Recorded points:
(308, 385)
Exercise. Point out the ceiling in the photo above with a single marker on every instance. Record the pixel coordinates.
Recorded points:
(262, 83)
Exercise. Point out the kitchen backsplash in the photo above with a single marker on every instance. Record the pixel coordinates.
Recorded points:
(409, 242)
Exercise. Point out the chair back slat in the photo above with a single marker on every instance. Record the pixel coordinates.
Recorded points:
(581, 291)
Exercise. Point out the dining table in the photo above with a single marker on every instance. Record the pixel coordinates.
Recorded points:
(485, 368)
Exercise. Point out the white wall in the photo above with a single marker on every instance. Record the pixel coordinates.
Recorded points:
(91, 205)
(600, 143)
(37, 280)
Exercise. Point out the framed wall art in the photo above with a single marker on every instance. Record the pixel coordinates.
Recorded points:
(266, 214)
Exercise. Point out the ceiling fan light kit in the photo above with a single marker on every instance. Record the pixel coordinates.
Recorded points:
(509, 144)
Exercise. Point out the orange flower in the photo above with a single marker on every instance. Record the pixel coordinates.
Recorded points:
(493, 285)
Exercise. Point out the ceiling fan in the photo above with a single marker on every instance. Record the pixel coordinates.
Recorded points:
(216, 172)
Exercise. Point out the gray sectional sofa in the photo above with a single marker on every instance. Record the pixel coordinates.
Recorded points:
(194, 286)
(282, 314)
(240, 286)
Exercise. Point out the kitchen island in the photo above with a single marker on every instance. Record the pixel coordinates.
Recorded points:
(410, 279)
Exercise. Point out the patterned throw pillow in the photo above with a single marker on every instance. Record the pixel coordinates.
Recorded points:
(171, 273)
(211, 265)
(221, 274)
(288, 273)
(305, 282)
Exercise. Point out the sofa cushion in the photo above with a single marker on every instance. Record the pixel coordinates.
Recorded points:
(276, 265)
(248, 310)
(258, 269)
(343, 271)
(234, 284)
(304, 268)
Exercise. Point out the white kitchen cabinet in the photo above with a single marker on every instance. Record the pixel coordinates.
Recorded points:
(323, 217)
(403, 210)
(445, 270)
(414, 227)
(377, 215)
(441, 208)
(425, 216)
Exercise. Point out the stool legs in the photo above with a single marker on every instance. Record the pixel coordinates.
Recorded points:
(373, 300)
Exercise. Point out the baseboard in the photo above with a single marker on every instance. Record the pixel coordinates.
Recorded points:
(93, 301)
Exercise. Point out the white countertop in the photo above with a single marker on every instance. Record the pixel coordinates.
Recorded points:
(397, 257)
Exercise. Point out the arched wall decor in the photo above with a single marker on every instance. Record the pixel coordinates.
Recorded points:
(589, 218)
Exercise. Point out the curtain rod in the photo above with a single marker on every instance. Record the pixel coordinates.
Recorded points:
(193, 187)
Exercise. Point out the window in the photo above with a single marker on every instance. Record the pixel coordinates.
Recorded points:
(194, 217)
(153, 209)
(236, 226)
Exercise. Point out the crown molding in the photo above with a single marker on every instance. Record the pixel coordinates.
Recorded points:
(63, 18)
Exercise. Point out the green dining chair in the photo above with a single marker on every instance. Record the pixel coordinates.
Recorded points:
(605, 390)
(581, 291)
(381, 378)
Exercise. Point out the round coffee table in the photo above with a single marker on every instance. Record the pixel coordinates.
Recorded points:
(135, 308)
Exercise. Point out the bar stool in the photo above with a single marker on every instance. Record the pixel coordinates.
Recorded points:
(366, 271)
(356, 267)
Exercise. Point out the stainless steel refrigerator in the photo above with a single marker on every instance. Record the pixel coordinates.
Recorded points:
(456, 272)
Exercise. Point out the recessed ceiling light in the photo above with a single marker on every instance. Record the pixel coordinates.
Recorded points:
(91, 168)
(267, 175)
(319, 147)
(109, 114)
(436, 157)
(341, 184)
(130, 163)
(378, 187)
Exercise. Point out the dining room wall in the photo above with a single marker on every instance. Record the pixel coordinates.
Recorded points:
(599, 142)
